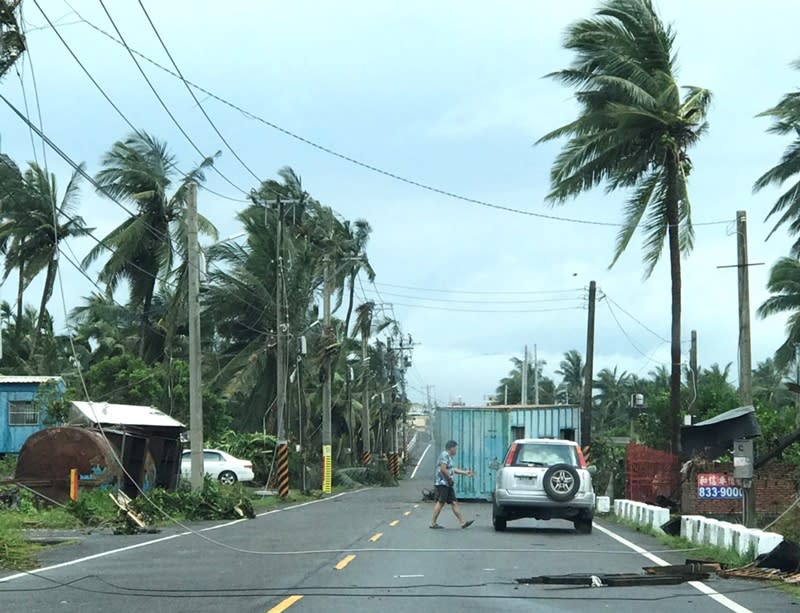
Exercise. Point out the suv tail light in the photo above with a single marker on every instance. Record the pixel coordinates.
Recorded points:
(581, 459)
(248, 466)
(512, 451)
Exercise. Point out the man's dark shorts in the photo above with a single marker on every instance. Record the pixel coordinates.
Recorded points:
(445, 494)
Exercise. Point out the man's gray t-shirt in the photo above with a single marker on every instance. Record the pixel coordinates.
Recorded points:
(439, 478)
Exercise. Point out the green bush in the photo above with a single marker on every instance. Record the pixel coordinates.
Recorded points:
(214, 501)
(94, 508)
(360, 476)
(8, 464)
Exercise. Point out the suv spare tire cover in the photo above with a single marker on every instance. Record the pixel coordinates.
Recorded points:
(561, 482)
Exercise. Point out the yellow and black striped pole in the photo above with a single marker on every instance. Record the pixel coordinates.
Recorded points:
(366, 458)
(283, 469)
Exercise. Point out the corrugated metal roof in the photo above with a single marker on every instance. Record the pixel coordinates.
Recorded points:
(27, 379)
(124, 414)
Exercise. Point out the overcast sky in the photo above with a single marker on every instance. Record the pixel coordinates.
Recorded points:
(452, 95)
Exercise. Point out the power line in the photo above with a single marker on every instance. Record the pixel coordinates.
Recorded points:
(194, 97)
(509, 311)
(35, 93)
(656, 334)
(111, 102)
(163, 104)
(492, 292)
(354, 161)
(453, 300)
(628, 338)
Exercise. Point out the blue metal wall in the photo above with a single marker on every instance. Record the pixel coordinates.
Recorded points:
(547, 421)
(13, 437)
(484, 434)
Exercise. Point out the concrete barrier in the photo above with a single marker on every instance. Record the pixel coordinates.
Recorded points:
(701, 530)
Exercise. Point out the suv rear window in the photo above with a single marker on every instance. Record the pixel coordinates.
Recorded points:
(543, 454)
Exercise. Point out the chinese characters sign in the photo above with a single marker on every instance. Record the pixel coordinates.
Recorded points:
(717, 486)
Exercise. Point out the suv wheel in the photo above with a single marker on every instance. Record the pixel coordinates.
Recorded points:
(583, 525)
(498, 521)
(561, 482)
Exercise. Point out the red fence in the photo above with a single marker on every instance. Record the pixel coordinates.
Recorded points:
(651, 473)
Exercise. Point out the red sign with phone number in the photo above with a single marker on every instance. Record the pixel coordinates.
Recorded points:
(719, 486)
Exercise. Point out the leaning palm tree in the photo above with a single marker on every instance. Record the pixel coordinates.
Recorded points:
(633, 131)
(786, 120)
(141, 171)
(51, 224)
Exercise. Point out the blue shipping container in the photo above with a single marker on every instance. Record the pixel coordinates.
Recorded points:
(484, 434)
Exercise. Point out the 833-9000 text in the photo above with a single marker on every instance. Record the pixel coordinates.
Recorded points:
(730, 491)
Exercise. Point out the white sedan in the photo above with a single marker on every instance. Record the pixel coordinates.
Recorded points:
(219, 465)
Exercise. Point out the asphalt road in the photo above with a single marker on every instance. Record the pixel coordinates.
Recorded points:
(368, 550)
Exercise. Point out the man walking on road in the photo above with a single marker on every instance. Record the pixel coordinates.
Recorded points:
(443, 484)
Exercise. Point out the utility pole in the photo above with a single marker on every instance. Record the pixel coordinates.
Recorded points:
(366, 445)
(281, 329)
(586, 409)
(745, 367)
(348, 373)
(535, 376)
(524, 391)
(328, 340)
(195, 385)
(693, 368)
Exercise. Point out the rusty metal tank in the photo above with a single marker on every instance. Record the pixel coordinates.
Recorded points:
(46, 458)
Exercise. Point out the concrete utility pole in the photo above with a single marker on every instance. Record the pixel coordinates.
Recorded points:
(327, 335)
(745, 367)
(281, 329)
(535, 376)
(366, 445)
(524, 391)
(195, 384)
(586, 408)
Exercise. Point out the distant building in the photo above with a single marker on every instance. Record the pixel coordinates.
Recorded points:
(23, 409)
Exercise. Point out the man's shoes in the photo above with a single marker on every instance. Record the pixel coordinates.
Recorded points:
(438, 527)
(467, 524)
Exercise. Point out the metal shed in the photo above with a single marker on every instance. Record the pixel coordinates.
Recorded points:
(484, 434)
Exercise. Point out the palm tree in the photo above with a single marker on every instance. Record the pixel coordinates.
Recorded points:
(784, 285)
(633, 131)
(365, 325)
(47, 227)
(141, 171)
(612, 398)
(571, 371)
(357, 235)
(786, 120)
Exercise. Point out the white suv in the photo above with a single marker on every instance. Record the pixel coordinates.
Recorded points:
(544, 479)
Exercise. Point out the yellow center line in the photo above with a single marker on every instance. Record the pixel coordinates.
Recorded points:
(285, 604)
(344, 562)
(407, 513)
(374, 538)
(394, 523)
